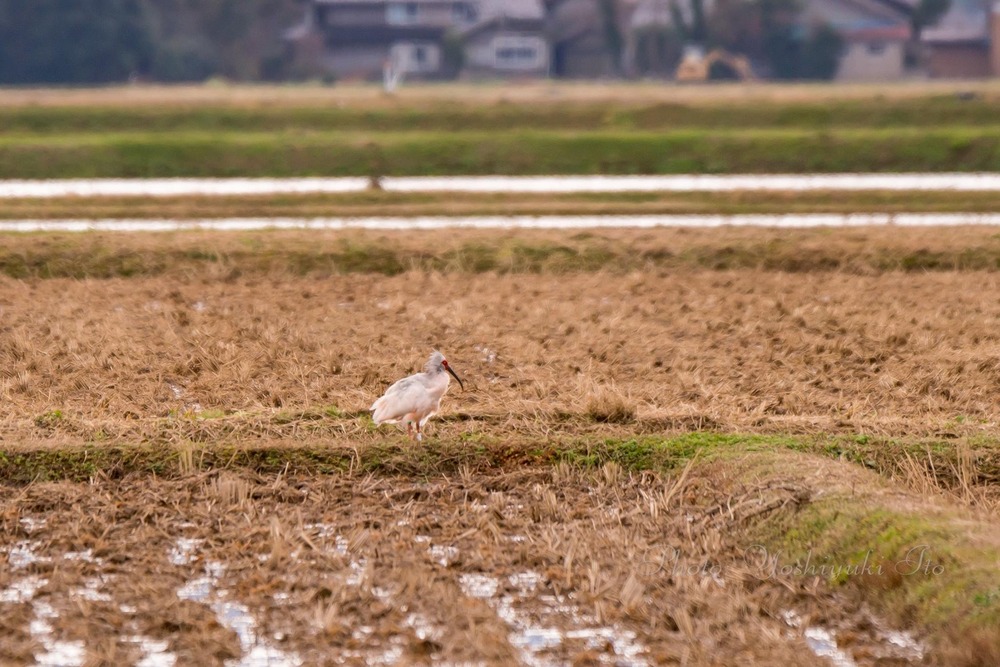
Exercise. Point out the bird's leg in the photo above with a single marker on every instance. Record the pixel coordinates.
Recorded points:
(409, 430)
(420, 436)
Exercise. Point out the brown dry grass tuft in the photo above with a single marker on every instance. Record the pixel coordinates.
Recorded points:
(960, 479)
(231, 490)
(607, 404)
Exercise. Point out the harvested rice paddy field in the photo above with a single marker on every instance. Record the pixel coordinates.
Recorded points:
(732, 446)
(702, 447)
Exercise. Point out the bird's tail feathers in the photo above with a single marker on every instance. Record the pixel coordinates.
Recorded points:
(378, 413)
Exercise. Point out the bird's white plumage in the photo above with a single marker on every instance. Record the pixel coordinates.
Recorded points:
(416, 398)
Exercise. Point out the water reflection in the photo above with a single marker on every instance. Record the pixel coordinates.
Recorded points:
(511, 222)
(110, 187)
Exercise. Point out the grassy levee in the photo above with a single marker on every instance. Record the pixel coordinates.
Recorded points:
(319, 254)
(461, 130)
(518, 151)
(921, 559)
(917, 558)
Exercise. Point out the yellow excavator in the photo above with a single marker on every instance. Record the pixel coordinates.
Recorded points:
(696, 66)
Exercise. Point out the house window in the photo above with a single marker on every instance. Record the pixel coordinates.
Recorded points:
(401, 13)
(419, 55)
(876, 48)
(517, 52)
(463, 13)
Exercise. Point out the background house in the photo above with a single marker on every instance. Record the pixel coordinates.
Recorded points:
(508, 40)
(965, 42)
(848, 40)
(358, 37)
(588, 37)
(423, 39)
(875, 36)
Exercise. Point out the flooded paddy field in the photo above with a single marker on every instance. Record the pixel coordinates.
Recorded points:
(537, 565)
(568, 222)
(168, 187)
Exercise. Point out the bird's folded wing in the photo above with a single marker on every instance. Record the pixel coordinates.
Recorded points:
(399, 400)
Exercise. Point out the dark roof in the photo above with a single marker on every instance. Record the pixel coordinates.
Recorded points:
(860, 20)
(511, 14)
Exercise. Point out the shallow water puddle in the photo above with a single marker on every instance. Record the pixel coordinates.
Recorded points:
(532, 638)
(32, 524)
(392, 652)
(782, 221)
(57, 653)
(23, 590)
(891, 645)
(105, 187)
(443, 555)
(820, 641)
(183, 551)
(22, 554)
(823, 644)
(91, 591)
(907, 643)
(256, 651)
(154, 652)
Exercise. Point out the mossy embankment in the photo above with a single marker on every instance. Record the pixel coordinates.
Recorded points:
(318, 253)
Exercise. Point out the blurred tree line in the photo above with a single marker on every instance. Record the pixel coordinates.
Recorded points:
(766, 31)
(102, 41)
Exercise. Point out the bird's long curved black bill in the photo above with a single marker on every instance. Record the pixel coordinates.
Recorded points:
(448, 368)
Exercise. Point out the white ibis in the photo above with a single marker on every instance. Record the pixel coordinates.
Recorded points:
(416, 398)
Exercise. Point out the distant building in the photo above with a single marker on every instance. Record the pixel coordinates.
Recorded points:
(359, 37)
(875, 36)
(581, 32)
(423, 39)
(603, 39)
(965, 42)
(508, 40)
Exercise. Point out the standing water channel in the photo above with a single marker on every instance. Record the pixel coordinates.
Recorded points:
(168, 187)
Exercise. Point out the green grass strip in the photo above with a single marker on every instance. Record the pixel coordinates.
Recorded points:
(290, 154)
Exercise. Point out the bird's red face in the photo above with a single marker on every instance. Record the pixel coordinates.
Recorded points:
(444, 365)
